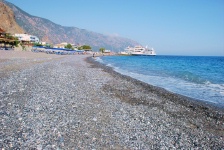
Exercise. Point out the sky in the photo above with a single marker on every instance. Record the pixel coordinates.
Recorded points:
(171, 27)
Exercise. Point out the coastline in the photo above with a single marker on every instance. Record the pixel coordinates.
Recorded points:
(75, 102)
(178, 98)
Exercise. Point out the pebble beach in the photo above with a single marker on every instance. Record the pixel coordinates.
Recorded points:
(63, 102)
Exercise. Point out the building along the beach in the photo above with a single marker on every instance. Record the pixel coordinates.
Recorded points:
(27, 39)
(60, 45)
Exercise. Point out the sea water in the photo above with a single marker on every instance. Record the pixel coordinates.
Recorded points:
(199, 77)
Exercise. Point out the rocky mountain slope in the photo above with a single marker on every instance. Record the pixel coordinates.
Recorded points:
(7, 20)
(50, 32)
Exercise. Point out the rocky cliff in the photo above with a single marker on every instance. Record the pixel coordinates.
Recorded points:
(7, 20)
(50, 32)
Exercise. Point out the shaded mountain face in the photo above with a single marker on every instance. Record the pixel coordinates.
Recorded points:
(50, 32)
(7, 20)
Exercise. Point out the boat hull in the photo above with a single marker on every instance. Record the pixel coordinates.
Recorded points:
(143, 54)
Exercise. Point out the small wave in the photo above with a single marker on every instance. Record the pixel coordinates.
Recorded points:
(117, 69)
(109, 65)
(216, 87)
(222, 93)
(207, 82)
(99, 60)
(122, 71)
(190, 77)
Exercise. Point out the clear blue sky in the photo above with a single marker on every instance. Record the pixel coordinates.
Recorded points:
(176, 27)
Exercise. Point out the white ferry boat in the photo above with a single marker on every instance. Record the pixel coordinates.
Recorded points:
(143, 51)
(138, 51)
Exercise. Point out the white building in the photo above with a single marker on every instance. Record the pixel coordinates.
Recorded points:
(107, 51)
(27, 37)
(61, 45)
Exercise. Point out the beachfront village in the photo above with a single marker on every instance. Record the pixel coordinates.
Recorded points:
(27, 42)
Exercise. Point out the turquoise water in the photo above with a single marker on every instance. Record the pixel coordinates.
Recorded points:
(197, 77)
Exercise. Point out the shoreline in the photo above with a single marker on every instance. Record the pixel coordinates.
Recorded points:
(184, 100)
(74, 102)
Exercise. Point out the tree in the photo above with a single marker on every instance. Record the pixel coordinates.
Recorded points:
(86, 47)
(102, 50)
(16, 43)
(68, 46)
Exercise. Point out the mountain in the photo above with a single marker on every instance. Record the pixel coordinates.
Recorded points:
(7, 20)
(51, 32)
